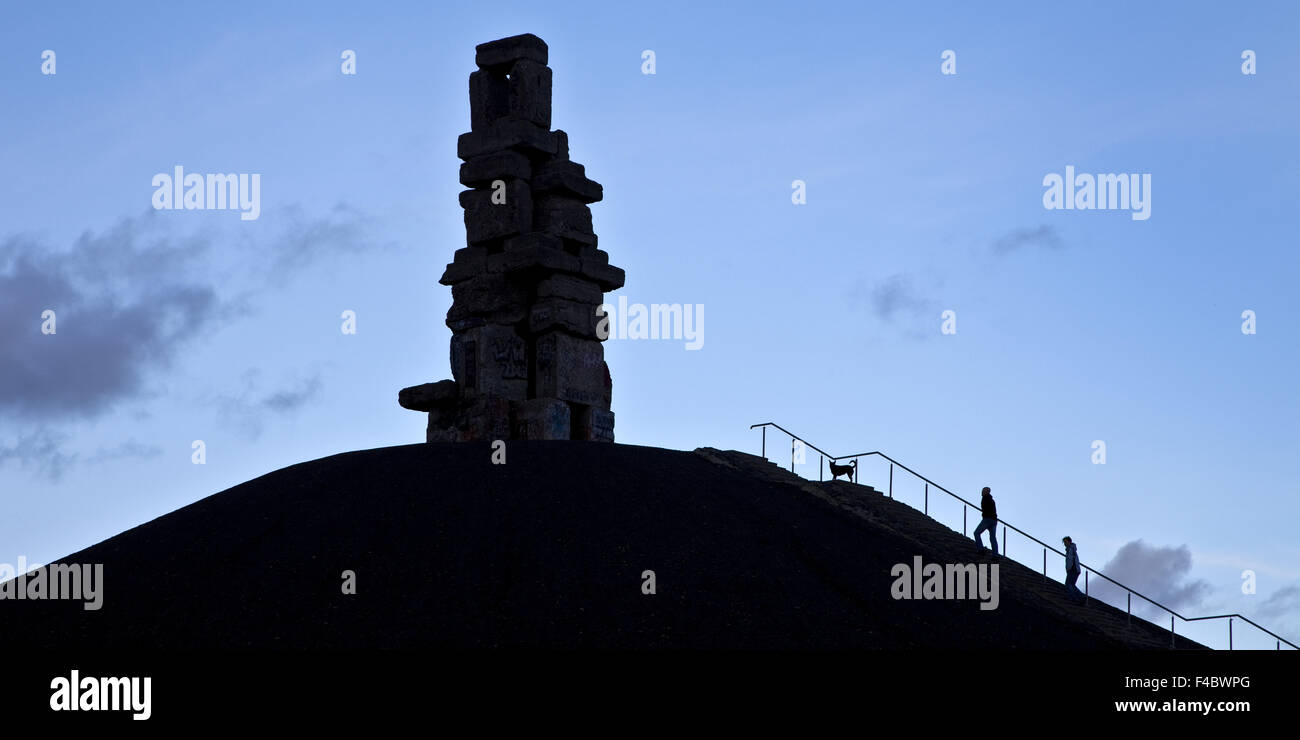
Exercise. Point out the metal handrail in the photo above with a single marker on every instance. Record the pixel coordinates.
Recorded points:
(1005, 525)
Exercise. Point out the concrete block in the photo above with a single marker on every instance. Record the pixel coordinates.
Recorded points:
(490, 360)
(488, 294)
(566, 178)
(572, 369)
(576, 318)
(529, 92)
(466, 263)
(570, 288)
(487, 222)
(592, 424)
(507, 164)
(542, 418)
(486, 419)
(565, 217)
(607, 276)
(489, 98)
(533, 252)
(507, 133)
(501, 54)
(429, 396)
(437, 431)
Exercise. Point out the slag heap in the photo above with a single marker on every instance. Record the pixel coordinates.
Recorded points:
(526, 359)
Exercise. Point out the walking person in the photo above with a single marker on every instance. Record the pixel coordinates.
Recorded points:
(989, 512)
(1072, 570)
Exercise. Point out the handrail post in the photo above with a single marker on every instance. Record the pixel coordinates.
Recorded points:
(891, 480)
(927, 499)
(1130, 608)
(792, 441)
(764, 448)
(963, 520)
(1172, 644)
(1230, 633)
(1044, 565)
(819, 468)
(1085, 587)
(1006, 540)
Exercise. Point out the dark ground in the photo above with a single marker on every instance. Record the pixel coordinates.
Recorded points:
(547, 551)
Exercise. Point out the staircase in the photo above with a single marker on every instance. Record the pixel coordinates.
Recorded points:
(941, 543)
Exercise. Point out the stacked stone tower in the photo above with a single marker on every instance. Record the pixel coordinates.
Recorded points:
(526, 359)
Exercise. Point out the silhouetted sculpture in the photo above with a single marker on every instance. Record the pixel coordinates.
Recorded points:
(526, 358)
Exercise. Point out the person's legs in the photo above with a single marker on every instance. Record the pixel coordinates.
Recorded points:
(983, 525)
(1071, 576)
(993, 534)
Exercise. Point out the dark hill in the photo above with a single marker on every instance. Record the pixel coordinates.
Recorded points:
(548, 550)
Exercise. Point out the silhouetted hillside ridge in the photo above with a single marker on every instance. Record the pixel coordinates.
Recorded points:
(450, 550)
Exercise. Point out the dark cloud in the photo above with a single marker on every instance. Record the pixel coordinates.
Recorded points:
(306, 239)
(127, 303)
(248, 411)
(894, 296)
(1282, 604)
(129, 449)
(124, 303)
(41, 452)
(1044, 236)
(285, 401)
(1161, 573)
(895, 301)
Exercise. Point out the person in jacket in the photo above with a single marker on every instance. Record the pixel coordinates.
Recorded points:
(1072, 569)
(989, 512)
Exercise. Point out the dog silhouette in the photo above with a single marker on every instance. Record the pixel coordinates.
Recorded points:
(849, 470)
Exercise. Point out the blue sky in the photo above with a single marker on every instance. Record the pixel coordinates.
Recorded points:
(924, 194)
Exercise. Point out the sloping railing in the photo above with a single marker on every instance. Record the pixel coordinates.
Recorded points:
(796, 440)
